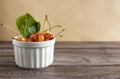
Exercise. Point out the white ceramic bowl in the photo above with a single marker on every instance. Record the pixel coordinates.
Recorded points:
(33, 55)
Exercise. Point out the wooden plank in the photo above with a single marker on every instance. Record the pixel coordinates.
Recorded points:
(89, 44)
(109, 51)
(8, 52)
(63, 72)
(71, 44)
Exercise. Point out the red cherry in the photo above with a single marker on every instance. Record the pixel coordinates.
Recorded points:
(32, 37)
(48, 36)
(39, 37)
(29, 39)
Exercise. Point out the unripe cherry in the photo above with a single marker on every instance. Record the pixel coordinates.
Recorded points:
(20, 38)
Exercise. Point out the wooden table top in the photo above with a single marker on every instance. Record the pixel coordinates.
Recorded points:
(73, 60)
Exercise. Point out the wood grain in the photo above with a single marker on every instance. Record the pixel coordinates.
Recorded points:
(73, 60)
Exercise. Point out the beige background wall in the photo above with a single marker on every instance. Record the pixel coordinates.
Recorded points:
(84, 20)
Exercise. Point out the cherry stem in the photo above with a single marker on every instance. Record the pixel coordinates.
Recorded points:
(60, 33)
(51, 28)
(48, 23)
(9, 28)
(46, 19)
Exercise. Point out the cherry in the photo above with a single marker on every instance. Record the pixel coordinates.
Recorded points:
(48, 36)
(19, 38)
(31, 38)
(39, 37)
(28, 40)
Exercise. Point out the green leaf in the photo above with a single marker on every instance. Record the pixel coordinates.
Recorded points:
(34, 28)
(27, 25)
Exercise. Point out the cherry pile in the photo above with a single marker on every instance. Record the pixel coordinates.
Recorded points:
(38, 37)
